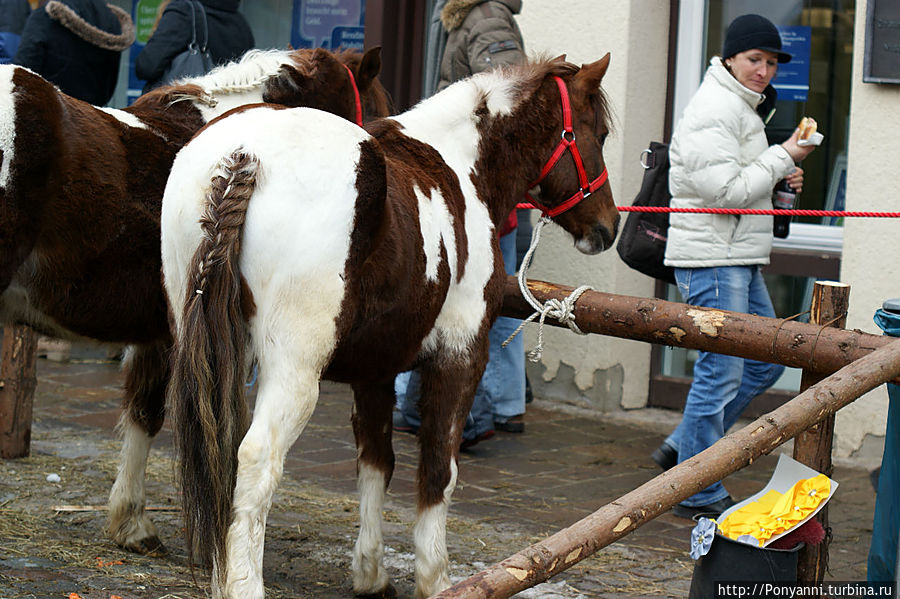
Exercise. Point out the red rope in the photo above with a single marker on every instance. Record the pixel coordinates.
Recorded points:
(774, 212)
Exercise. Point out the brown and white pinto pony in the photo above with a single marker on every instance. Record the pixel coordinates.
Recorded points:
(80, 196)
(352, 256)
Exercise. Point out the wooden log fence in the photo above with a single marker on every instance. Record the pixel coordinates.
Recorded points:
(735, 451)
(812, 347)
(17, 383)
(812, 446)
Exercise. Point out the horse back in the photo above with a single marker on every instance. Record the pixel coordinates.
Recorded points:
(81, 189)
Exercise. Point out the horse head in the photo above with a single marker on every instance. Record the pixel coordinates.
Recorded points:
(574, 191)
(344, 83)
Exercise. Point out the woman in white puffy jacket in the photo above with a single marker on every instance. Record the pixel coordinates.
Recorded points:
(720, 158)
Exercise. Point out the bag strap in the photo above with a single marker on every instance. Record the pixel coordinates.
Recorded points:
(193, 44)
(205, 27)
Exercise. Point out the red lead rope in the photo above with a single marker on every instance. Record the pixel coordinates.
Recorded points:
(359, 120)
(756, 211)
(567, 142)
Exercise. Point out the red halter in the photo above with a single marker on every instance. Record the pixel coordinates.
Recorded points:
(359, 120)
(566, 143)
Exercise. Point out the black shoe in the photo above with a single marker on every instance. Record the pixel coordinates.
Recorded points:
(710, 510)
(665, 456)
(512, 425)
(467, 443)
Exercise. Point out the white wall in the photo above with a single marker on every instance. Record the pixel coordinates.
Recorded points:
(602, 372)
(871, 256)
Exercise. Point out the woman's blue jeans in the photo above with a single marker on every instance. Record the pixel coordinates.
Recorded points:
(723, 385)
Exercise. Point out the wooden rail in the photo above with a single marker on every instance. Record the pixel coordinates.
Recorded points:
(813, 347)
(878, 364)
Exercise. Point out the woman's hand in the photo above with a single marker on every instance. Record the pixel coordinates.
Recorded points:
(797, 151)
(795, 180)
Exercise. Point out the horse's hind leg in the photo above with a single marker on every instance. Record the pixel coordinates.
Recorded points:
(447, 392)
(146, 376)
(374, 465)
(288, 391)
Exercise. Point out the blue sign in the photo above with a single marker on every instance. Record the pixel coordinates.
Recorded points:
(792, 80)
(329, 24)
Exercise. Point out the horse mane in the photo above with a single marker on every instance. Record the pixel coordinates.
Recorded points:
(249, 72)
(253, 70)
(533, 74)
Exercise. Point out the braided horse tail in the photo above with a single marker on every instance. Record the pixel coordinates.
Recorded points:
(207, 391)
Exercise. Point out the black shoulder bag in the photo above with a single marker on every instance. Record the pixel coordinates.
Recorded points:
(194, 61)
(642, 243)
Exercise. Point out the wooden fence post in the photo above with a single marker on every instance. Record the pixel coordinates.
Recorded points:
(812, 447)
(17, 383)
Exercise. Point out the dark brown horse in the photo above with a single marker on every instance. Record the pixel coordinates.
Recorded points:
(80, 195)
(352, 256)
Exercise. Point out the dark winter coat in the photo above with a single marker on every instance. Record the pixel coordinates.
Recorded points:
(13, 14)
(76, 45)
(482, 34)
(229, 36)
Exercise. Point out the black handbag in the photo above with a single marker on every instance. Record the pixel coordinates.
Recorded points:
(194, 61)
(642, 243)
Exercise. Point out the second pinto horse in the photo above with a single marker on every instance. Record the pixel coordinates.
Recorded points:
(80, 195)
(352, 256)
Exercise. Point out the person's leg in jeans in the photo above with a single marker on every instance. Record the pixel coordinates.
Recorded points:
(407, 387)
(717, 377)
(758, 376)
(502, 387)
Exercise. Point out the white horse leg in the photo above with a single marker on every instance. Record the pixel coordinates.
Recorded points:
(128, 524)
(287, 396)
(369, 575)
(375, 465)
(447, 392)
(146, 370)
(430, 538)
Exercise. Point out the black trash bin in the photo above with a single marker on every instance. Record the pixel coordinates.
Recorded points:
(730, 561)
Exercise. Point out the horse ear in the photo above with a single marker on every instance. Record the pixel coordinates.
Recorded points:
(590, 75)
(560, 58)
(369, 67)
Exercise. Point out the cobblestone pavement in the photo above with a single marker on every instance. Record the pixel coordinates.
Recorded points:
(513, 490)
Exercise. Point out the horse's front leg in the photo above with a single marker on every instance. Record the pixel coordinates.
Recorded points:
(146, 374)
(375, 465)
(286, 399)
(448, 386)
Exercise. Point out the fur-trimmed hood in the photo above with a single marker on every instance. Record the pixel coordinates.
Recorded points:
(68, 18)
(456, 11)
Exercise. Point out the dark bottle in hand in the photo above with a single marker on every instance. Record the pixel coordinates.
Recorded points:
(785, 198)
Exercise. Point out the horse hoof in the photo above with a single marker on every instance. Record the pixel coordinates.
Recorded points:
(389, 592)
(150, 546)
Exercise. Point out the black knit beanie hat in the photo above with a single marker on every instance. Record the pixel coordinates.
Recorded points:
(749, 32)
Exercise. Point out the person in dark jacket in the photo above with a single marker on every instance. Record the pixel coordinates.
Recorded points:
(13, 14)
(229, 37)
(76, 44)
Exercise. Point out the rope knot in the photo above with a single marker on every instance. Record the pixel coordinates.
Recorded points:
(562, 310)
